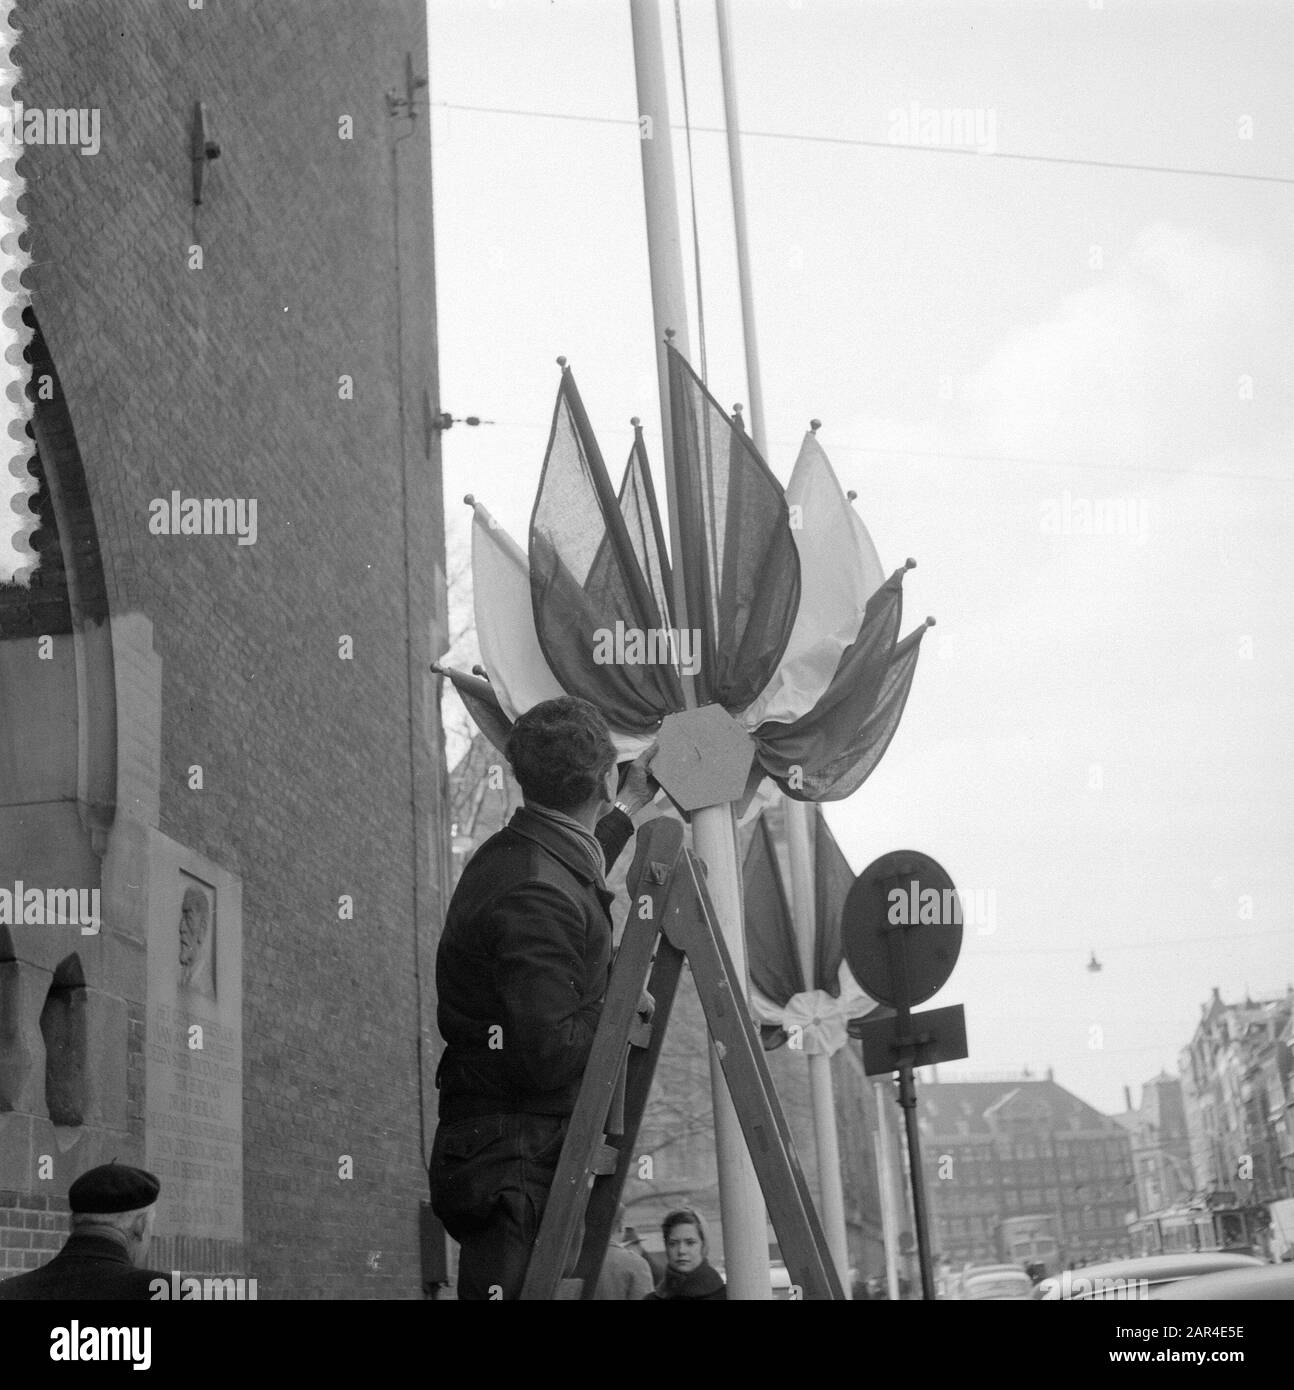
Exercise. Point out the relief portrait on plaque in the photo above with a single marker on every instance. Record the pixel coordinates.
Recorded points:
(197, 930)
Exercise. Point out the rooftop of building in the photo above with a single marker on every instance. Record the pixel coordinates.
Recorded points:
(990, 1106)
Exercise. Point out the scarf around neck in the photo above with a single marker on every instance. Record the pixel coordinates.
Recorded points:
(577, 835)
(696, 1283)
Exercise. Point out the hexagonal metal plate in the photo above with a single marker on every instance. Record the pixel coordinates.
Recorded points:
(704, 757)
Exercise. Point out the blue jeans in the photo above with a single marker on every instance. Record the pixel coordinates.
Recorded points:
(490, 1179)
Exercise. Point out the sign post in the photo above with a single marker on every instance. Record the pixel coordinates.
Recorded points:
(902, 933)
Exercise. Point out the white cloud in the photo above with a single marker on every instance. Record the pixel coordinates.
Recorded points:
(1129, 365)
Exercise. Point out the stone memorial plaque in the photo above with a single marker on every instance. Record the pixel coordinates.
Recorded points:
(193, 1072)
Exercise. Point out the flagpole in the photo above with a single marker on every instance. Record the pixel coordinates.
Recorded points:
(886, 1177)
(714, 833)
(737, 177)
(831, 1194)
(665, 260)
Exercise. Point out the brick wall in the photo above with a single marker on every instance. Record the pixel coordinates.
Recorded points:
(320, 775)
(32, 1228)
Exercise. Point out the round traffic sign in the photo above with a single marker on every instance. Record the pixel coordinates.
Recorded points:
(901, 928)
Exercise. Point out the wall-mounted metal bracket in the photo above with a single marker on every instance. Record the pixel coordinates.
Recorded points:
(202, 148)
(397, 105)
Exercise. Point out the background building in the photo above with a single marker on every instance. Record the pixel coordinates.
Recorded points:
(1161, 1145)
(233, 740)
(1024, 1146)
(1239, 1098)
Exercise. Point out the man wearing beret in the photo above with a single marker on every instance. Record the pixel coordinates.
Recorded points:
(112, 1221)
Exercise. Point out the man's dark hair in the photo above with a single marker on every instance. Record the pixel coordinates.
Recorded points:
(560, 751)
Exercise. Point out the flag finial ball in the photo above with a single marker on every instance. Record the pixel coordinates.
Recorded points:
(909, 563)
(635, 421)
(669, 335)
(930, 622)
(814, 425)
(851, 494)
(470, 500)
(561, 361)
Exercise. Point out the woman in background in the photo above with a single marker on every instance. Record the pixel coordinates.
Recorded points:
(689, 1275)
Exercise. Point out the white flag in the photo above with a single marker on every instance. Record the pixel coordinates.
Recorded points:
(505, 628)
(839, 572)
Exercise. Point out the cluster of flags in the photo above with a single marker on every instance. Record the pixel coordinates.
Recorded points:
(790, 624)
(809, 1014)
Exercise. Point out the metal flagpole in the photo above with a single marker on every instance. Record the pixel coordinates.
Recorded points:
(737, 176)
(886, 1177)
(830, 1187)
(714, 836)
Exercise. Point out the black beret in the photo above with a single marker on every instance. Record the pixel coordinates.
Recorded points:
(113, 1187)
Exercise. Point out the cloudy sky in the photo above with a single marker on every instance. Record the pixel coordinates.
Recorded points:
(1001, 351)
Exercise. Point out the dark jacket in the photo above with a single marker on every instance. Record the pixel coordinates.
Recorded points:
(522, 969)
(700, 1285)
(87, 1267)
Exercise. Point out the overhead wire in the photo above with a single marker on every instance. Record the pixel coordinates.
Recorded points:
(1118, 946)
(886, 145)
(962, 457)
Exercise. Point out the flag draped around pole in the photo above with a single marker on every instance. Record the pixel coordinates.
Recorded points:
(643, 524)
(519, 673)
(505, 625)
(810, 1015)
(839, 572)
(820, 754)
(832, 880)
(740, 564)
(600, 626)
(481, 702)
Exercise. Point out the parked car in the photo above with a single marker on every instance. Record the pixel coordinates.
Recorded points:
(999, 1283)
(953, 1285)
(1267, 1283)
(1137, 1278)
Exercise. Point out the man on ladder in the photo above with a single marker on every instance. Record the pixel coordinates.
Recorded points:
(521, 973)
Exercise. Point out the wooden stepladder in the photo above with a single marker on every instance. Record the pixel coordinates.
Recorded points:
(599, 1148)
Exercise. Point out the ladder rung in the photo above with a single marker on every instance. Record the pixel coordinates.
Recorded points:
(605, 1160)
